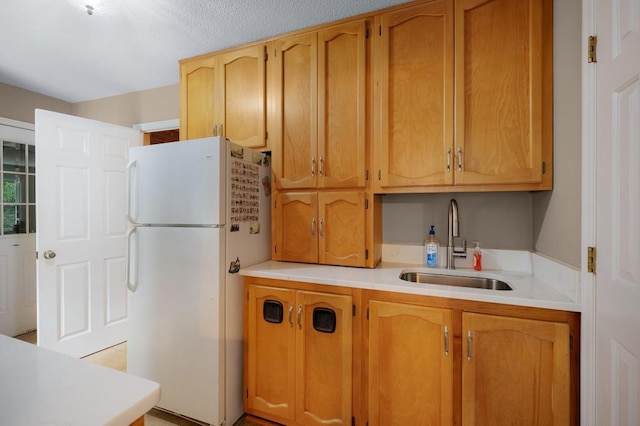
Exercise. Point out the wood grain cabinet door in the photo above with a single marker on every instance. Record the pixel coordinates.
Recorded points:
(498, 91)
(294, 101)
(341, 228)
(243, 98)
(414, 68)
(296, 227)
(514, 371)
(324, 359)
(199, 97)
(410, 365)
(342, 96)
(271, 330)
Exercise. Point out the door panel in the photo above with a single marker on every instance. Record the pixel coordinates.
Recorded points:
(295, 162)
(297, 224)
(324, 359)
(341, 228)
(617, 287)
(198, 98)
(81, 198)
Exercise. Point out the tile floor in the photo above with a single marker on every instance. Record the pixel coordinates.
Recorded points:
(116, 357)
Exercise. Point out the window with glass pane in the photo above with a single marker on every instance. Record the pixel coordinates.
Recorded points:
(18, 192)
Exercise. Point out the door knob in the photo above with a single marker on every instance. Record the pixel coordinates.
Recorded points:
(49, 254)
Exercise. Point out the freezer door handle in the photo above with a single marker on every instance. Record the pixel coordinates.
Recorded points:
(132, 284)
(130, 192)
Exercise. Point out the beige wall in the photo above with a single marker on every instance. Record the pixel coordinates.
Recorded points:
(19, 104)
(556, 214)
(147, 106)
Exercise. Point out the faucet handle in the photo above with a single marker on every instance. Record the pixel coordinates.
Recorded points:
(461, 253)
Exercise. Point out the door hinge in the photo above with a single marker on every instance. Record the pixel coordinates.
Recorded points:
(366, 203)
(266, 135)
(591, 49)
(367, 314)
(353, 421)
(366, 254)
(592, 255)
(275, 248)
(544, 167)
(366, 175)
(379, 29)
(366, 31)
(379, 174)
(36, 255)
(266, 56)
(247, 393)
(353, 310)
(570, 342)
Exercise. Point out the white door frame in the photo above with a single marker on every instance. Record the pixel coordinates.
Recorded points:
(588, 288)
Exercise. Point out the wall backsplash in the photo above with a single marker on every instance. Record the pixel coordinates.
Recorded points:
(501, 220)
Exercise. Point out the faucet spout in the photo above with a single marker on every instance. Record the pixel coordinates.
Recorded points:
(453, 228)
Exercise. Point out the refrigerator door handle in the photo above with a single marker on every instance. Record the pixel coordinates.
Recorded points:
(131, 284)
(130, 193)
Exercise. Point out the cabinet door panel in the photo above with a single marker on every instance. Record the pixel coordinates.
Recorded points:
(243, 96)
(271, 353)
(198, 98)
(410, 374)
(416, 102)
(342, 228)
(499, 91)
(296, 230)
(518, 372)
(295, 84)
(324, 361)
(342, 105)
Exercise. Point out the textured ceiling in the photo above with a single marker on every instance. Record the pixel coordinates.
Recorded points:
(54, 47)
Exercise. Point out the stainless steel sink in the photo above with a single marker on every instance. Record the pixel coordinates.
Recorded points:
(455, 280)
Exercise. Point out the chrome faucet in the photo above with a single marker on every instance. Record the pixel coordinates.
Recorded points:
(454, 231)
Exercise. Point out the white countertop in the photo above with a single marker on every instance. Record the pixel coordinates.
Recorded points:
(541, 289)
(42, 387)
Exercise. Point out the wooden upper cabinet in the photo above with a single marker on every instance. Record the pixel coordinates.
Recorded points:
(342, 96)
(295, 227)
(341, 228)
(515, 369)
(414, 68)
(319, 100)
(499, 87)
(199, 97)
(243, 96)
(410, 364)
(225, 95)
(294, 91)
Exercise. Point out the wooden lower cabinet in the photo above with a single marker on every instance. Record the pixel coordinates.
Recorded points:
(410, 360)
(298, 356)
(515, 371)
(410, 365)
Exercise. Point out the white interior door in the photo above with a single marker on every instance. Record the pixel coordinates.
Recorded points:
(618, 214)
(82, 226)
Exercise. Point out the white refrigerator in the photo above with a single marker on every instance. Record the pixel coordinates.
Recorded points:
(199, 211)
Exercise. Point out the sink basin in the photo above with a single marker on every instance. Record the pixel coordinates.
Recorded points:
(455, 280)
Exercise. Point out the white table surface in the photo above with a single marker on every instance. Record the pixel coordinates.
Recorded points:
(42, 387)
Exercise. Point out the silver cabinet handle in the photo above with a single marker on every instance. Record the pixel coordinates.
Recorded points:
(130, 191)
(321, 166)
(469, 345)
(215, 130)
(459, 159)
(300, 317)
(446, 340)
(290, 315)
(449, 160)
(313, 166)
(49, 254)
(131, 284)
(313, 226)
(320, 228)
(221, 131)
